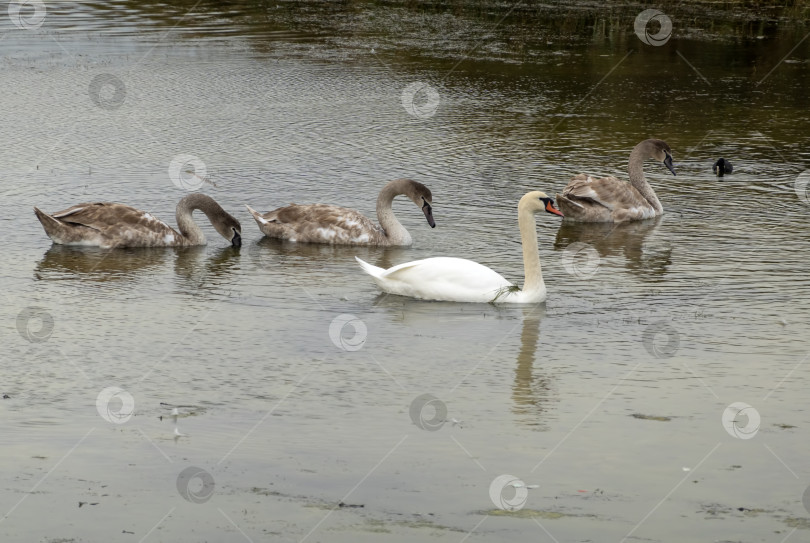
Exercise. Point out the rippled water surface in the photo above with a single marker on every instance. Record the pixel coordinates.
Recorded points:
(606, 400)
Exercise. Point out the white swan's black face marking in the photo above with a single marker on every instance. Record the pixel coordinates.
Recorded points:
(548, 204)
(428, 211)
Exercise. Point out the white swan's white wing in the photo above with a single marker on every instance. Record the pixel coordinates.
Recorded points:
(440, 278)
(373, 271)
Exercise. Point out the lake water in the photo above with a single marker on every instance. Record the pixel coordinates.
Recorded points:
(659, 394)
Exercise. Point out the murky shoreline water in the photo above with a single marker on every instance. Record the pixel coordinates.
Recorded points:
(617, 431)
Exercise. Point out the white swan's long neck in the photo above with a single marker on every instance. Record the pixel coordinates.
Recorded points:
(531, 255)
(637, 179)
(395, 233)
(191, 232)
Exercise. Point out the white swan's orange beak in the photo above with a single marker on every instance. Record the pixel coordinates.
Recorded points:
(551, 209)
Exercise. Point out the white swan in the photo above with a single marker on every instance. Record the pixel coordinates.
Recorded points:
(461, 280)
(323, 223)
(108, 225)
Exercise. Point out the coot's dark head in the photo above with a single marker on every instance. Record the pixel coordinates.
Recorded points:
(722, 167)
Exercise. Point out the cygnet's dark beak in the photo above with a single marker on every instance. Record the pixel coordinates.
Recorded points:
(668, 164)
(428, 211)
(236, 240)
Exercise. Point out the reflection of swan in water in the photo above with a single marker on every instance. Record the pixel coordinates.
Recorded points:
(195, 264)
(281, 255)
(94, 264)
(205, 267)
(533, 390)
(645, 254)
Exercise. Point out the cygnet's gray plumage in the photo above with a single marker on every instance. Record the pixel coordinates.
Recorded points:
(607, 199)
(323, 223)
(110, 225)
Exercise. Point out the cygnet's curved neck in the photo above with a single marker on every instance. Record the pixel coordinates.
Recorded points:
(531, 255)
(395, 233)
(191, 232)
(636, 176)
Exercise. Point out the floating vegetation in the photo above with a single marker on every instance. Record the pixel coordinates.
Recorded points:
(801, 523)
(503, 291)
(651, 417)
(267, 492)
(382, 526)
(533, 513)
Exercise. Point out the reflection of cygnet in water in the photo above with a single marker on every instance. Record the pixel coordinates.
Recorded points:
(722, 167)
(177, 433)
